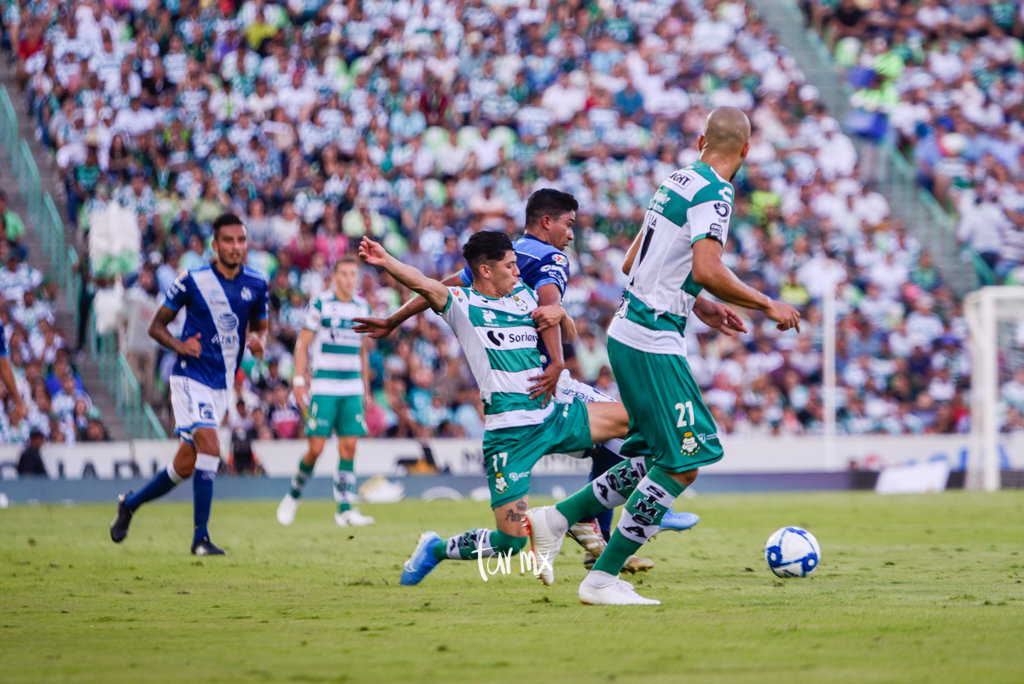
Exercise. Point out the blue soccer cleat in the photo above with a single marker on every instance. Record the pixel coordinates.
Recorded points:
(677, 522)
(422, 560)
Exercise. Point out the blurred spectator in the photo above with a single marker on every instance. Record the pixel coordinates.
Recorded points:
(30, 462)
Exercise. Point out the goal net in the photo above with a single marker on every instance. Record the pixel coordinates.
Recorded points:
(995, 320)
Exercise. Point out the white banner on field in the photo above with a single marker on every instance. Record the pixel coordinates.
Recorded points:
(465, 457)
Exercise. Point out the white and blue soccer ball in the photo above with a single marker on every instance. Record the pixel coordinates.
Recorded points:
(792, 552)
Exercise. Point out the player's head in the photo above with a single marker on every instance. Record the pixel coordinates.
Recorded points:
(726, 140)
(229, 240)
(492, 260)
(550, 215)
(346, 275)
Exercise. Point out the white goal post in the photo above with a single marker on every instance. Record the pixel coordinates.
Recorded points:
(995, 321)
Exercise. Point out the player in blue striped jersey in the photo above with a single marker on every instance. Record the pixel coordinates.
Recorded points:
(222, 301)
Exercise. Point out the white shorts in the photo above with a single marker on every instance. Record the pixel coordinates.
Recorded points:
(196, 405)
(570, 388)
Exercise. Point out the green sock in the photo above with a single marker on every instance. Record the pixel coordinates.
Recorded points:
(299, 480)
(345, 485)
(640, 519)
(480, 542)
(606, 491)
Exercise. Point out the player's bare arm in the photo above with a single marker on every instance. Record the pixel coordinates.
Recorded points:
(7, 376)
(434, 292)
(714, 276)
(300, 378)
(382, 327)
(159, 332)
(718, 316)
(546, 384)
(631, 253)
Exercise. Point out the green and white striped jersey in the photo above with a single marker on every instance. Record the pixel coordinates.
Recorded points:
(334, 355)
(500, 341)
(692, 204)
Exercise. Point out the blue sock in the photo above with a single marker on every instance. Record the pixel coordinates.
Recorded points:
(163, 482)
(202, 494)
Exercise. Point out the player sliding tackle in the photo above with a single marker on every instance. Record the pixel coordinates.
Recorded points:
(495, 322)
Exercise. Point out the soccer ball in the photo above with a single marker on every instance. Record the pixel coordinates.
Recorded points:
(792, 552)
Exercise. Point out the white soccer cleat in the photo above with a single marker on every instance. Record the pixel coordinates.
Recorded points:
(601, 589)
(353, 518)
(547, 528)
(286, 510)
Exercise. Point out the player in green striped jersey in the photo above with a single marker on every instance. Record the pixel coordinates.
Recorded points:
(337, 394)
(676, 256)
(495, 322)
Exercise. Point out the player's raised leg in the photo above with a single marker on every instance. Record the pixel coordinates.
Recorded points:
(161, 483)
(508, 538)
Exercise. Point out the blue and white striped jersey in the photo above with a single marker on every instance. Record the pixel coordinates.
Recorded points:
(219, 310)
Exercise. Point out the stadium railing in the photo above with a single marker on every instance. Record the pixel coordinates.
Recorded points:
(140, 421)
(42, 214)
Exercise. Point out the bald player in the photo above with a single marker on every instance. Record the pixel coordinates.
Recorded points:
(675, 258)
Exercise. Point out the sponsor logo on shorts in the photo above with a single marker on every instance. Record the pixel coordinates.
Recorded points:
(516, 477)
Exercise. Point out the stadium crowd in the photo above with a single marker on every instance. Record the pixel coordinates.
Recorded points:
(420, 122)
(57, 405)
(942, 80)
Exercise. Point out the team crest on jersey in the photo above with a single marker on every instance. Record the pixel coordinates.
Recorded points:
(246, 294)
(560, 259)
(519, 303)
(689, 445)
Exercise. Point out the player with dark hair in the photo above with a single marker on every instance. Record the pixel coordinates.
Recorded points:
(550, 217)
(221, 300)
(495, 322)
(676, 255)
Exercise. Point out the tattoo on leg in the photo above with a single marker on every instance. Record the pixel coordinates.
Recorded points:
(512, 516)
(521, 506)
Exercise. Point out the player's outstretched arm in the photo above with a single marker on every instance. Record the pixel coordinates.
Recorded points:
(382, 327)
(433, 291)
(714, 276)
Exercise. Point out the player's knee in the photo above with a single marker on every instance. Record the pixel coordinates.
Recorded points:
(506, 543)
(685, 478)
(206, 442)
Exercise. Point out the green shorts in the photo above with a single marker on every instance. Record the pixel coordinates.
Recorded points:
(666, 411)
(511, 453)
(341, 415)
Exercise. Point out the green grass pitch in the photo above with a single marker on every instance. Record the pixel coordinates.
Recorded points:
(910, 589)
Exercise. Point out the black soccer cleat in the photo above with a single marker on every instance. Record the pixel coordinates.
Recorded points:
(119, 527)
(205, 547)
